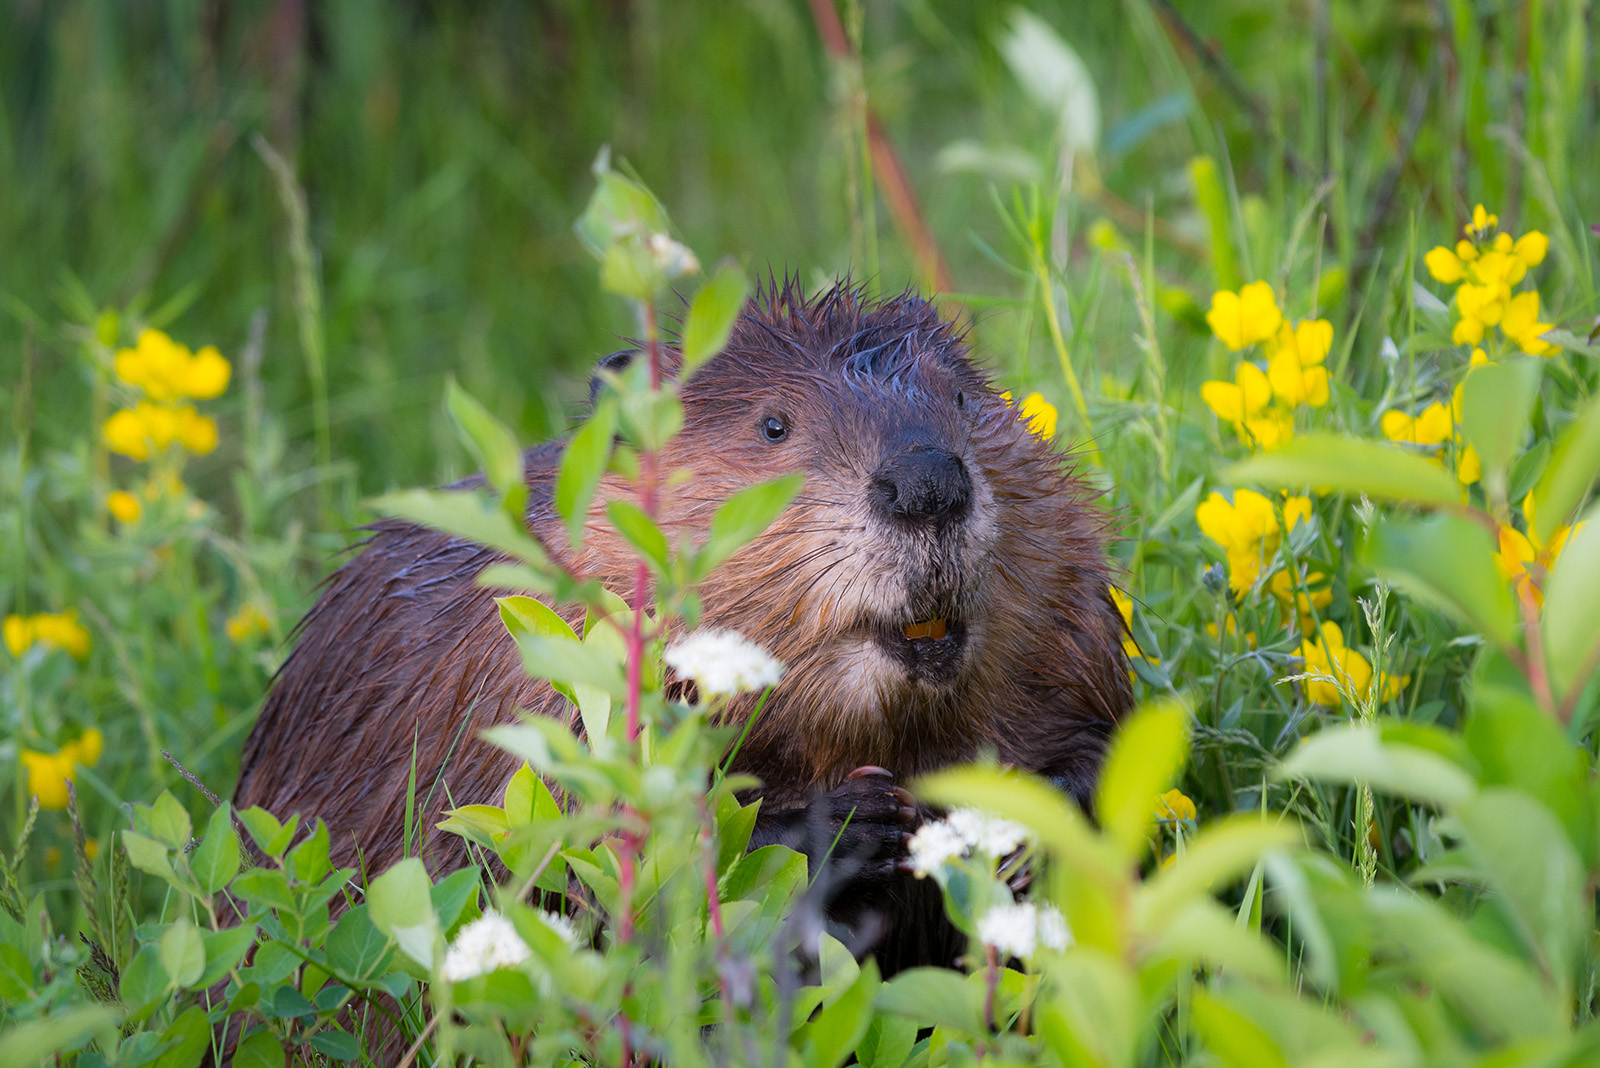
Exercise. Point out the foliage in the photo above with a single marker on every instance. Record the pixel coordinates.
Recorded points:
(1353, 443)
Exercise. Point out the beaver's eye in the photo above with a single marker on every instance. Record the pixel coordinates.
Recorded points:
(774, 429)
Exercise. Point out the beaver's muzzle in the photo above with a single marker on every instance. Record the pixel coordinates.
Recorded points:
(922, 486)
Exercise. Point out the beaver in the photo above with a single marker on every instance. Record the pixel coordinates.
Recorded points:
(938, 590)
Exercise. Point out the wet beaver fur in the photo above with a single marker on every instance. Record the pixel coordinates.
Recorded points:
(938, 590)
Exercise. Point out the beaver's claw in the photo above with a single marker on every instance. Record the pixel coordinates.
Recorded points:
(860, 826)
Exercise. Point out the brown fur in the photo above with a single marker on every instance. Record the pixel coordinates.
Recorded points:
(404, 645)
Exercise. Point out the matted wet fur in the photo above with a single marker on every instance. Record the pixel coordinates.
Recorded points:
(938, 590)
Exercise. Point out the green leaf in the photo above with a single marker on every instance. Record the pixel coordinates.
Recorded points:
(336, 1044)
(1328, 917)
(1146, 755)
(187, 1039)
(618, 208)
(935, 996)
(582, 464)
(467, 514)
(1221, 852)
(224, 950)
(743, 517)
(492, 445)
(887, 1043)
(455, 897)
(1231, 1036)
(215, 860)
(1516, 744)
(16, 973)
(833, 1033)
(149, 856)
(169, 821)
(183, 953)
(260, 1050)
(145, 983)
(38, 1041)
(1448, 562)
(1335, 464)
(528, 616)
(640, 531)
(271, 836)
(1204, 932)
(356, 949)
(1096, 1012)
(1495, 401)
(267, 887)
(1534, 871)
(711, 317)
(1571, 621)
(308, 861)
(1574, 464)
(400, 897)
(1359, 753)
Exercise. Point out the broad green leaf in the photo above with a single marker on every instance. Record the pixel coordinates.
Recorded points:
(618, 208)
(215, 860)
(455, 897)
(308, 861)
(530, 616)
(711, 317)
(336, 1044)
(1574, 464)
(887, 1043)
(144, 982)
(187, 1039)
(268, 887)
(1516, 744)
(1202, 932)
(1222, 851)
(936, 996)
(1449, 562)
(357, 950)
(650, 418)
(1359, 753)
(39, 1041)
(742, 517)
(492, 445)
(583, 462)
(149, 856)
(467, 514)
(640, 531)
(400, 897)
(571, 663)
(224, 950)
(1146, 755)
(1495, 401)
(1534, 871)
(183, 953)
(1231, 1036)
(1328, 917)
(1571, 621)
(169, 821)
(1096, 1010)
(260, 1050)
(833, 1033)
(270, 835)
(1298, 1029)
(1334, 464)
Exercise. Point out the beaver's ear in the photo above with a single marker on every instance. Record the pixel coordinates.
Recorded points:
(615, 362)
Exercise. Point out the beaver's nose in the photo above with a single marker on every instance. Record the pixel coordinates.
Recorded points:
(922, 485)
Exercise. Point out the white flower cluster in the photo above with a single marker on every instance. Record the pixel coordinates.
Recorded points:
(485, 944)
(561, 925)
(723, 662)
(964, 830)
(1017, 929)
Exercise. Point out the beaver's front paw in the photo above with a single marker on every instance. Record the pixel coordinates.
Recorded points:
(860, 826)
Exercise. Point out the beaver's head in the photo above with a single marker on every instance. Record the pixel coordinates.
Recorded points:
(923, 554)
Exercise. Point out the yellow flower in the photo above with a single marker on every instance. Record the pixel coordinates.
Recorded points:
(1231, 625)
(1526, 561)
(166, 371)
(1308, 342)
(125, 506)
(1295, 384)
(1469, 468)
(1266, 432)
(1445, 265)
(249, 620)
(1174, 805)
(1244, 397)
(1248, 531)
(1530, 248)
(1282, 587)
(1521, 324)
(1432, 426)
(1246, 317)
(49, 773)
(60, 630)
(1482, 221)
(1040, 415)
(147, 428)
(1350, 669)
(1125, 609)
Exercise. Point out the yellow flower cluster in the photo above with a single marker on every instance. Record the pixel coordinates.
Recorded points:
(1038, 413)
(168, 375)
(49, 773)
(1525, 560)
(59, 630)
(246, 623)
(1434, 427)
(1351, 671)
(1175, 805)
(1248, 531)
(1130, 648)
(1261, 404)
(1484, 267)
